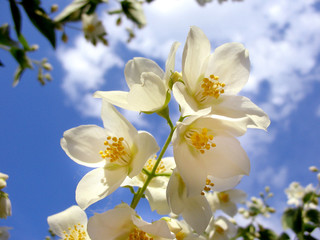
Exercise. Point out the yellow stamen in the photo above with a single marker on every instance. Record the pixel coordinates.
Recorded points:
(138, 234)
(90, 28)
(212, 87)
(150, 164)
(76, 233)
(223, 197)
(208, 186)
(115, 149)
(200, 140)
(180, 235)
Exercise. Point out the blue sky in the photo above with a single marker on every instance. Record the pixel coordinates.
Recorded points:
(283, 42)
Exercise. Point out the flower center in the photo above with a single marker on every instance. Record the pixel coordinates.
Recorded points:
(180, 235)
(212, 87)
(200, 140)
(76, 233)
(138, 234)
(223, 197)
(208, 186)
(150, 165)
(219, 229)
(90, 28)
(116, 150)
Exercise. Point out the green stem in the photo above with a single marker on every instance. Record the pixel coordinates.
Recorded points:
(153, 174)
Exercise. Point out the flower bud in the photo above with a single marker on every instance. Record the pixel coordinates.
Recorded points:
(3, 178)
(313, 169)
(5, 205)
(47, 66)
(34, 47)
(318, 176)
(54, 8)
(267, 189)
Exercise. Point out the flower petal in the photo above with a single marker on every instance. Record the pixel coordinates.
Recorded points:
(176, 193)
(112, 223)
(227, 159)
(230, 62)
(170, 63)
(158, 228)
(83, 144)
(117, 124)
(97, 184)
(135, 67)
(197, 213)
(186, 101)
(195, 52)
(149, 95)
(192, 169)
(158, 200)
(117, 98)
(146, 147)
(239, 106)
(223, 184)
(61, 221)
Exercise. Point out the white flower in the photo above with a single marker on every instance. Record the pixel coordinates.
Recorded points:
(5, 205)
(226, 200)
(195, 210)
(256, 206)
(221, 229)
(118, 150)
(3, 179)
(207, 146)
(4, 234)
(70, 224)
(295, 193)
(211, 81)
(93, 29)
(122, 222)
(148, 84)
(156, 190)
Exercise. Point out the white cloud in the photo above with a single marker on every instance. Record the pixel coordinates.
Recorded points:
(85, 67)
(273, 177)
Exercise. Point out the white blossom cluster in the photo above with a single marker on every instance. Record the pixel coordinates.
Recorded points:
(208, 160)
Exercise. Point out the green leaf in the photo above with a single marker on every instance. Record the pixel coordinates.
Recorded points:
(17, 76)
(21, 57)
(309, 237)
(309, 227)
(16, 16)
(266, 234)
(24, 42)
(283, 236)
(40, 19)
(308, 197)
(5, 36)
(313, 215)
(292, 218)
(72, 12)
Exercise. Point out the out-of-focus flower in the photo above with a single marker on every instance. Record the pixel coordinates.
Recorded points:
(122, 222)
(226, 200)
(156, 190)
(296, 192)
(118, 150)
(5, 205)
(195, 210)
(221, 229)
(70, 224)
(93, 29)
(4, 233)
(207, 145)
(133, 10)
(3, 180)
(255, 207)
(211, 81)
(148, 84)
